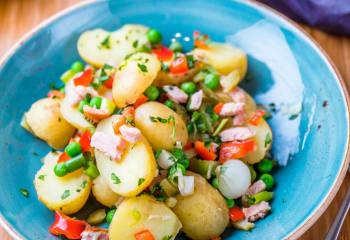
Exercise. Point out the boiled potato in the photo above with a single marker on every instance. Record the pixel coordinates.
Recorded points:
(160, 135)
(103, 193)
(98, 46)
(224, 58)
(144, 213)
(263, 140)
(134, 172)
(73, 116)
(133, 77)
(204, 214)
(46, 122)
(67, 194)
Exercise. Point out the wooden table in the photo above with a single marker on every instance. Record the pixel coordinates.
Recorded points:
(19, 16)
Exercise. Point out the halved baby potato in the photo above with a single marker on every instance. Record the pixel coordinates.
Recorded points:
(98, 46)
(160, 135)
(103, 193)
(263, 141)
(66, 194)
(133, 77)
(142, 213)
(44, 120)
(134, 172)
(224, 58)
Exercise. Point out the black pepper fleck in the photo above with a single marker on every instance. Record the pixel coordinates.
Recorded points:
(325, 103)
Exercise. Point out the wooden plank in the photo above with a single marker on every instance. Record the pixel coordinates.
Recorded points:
(18, 17)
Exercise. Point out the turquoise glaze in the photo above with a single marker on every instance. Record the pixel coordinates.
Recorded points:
(285, 68)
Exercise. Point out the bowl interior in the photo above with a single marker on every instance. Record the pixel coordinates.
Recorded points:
(285, 69)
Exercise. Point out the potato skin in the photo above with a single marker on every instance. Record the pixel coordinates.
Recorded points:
(45, 120)
(204, 214)
(160, 135)
(103, 193)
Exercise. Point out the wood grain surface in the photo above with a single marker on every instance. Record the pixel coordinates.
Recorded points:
(19, 16)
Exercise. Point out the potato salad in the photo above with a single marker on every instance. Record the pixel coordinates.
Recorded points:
(150, 141)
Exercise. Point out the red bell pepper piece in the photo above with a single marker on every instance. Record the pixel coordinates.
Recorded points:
(179, 65)
(85, 78)
(188, 146)
(85, 140)
(203, 152)
(109, 83)
(256, 118)
(236, 214)
(141, 100)
(236, 149)
(218, 107)
(69, 227)
(163, 53)
(55, 93)
(200, 40)
(63, 157)
(144, 235)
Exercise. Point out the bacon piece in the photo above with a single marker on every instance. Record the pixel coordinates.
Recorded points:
(94, 233)
(231, 109)
(95, 114)
(111, 145)
(257, 211)
(256, 187)
(236, 133)
(77, 93)
(239, 119)
(238, 95)
(196, 100)
(176, 94)
(131, 134)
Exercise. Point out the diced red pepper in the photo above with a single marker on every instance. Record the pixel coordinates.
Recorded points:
(129, 112)
(85, 140)
(188, 146)
(63, 157)
(141, 100)
(203, 152)
(256, 118)
(109, 83)
(179, 65)
(69, 227)
(236, 149)
(163, 53)
(218, 107)
(200, 40)
(236, 214)
(56, 94)
(144, 235)
(85, 78)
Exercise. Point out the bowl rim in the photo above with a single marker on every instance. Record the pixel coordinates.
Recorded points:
(323, 205)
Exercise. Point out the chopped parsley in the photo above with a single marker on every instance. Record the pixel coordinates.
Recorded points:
(167, 237)
(83, 184)
(190, 61)
(268, 139)
(42, 177)
(115, 178)
(65, 194)
(293, 116)
(35, 154)
(170, 119)
(165, 67)
(142, 67)
(105, 43)
(135, 44)
(158, 119)
(141, 180)
(24, 192)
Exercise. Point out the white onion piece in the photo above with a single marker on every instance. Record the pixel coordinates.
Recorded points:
(165, 159)
(186, 185)
(234, 178)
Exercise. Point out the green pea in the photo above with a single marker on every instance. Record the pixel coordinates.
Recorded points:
(75, 163)
(82, 104)
(176, 46)
(110, 215)
(77, 66)
(96, 102)
(154, 36)
(92, 170)
(215, 183)
(230, 203)
(73, 149)
(268, 180)
(152, 93)
(60, 170)
(170, 104)
(265, 166)
(212, 81)
(189, 87)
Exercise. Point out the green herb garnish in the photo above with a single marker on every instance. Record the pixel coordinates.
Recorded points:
(42, 177)
(115, 178)
(105, 43)
(65, 194)
(142, 67)
(268, 139)
(141, 180)
(24, 192)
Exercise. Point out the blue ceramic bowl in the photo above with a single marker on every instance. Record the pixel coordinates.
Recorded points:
(285, 68)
